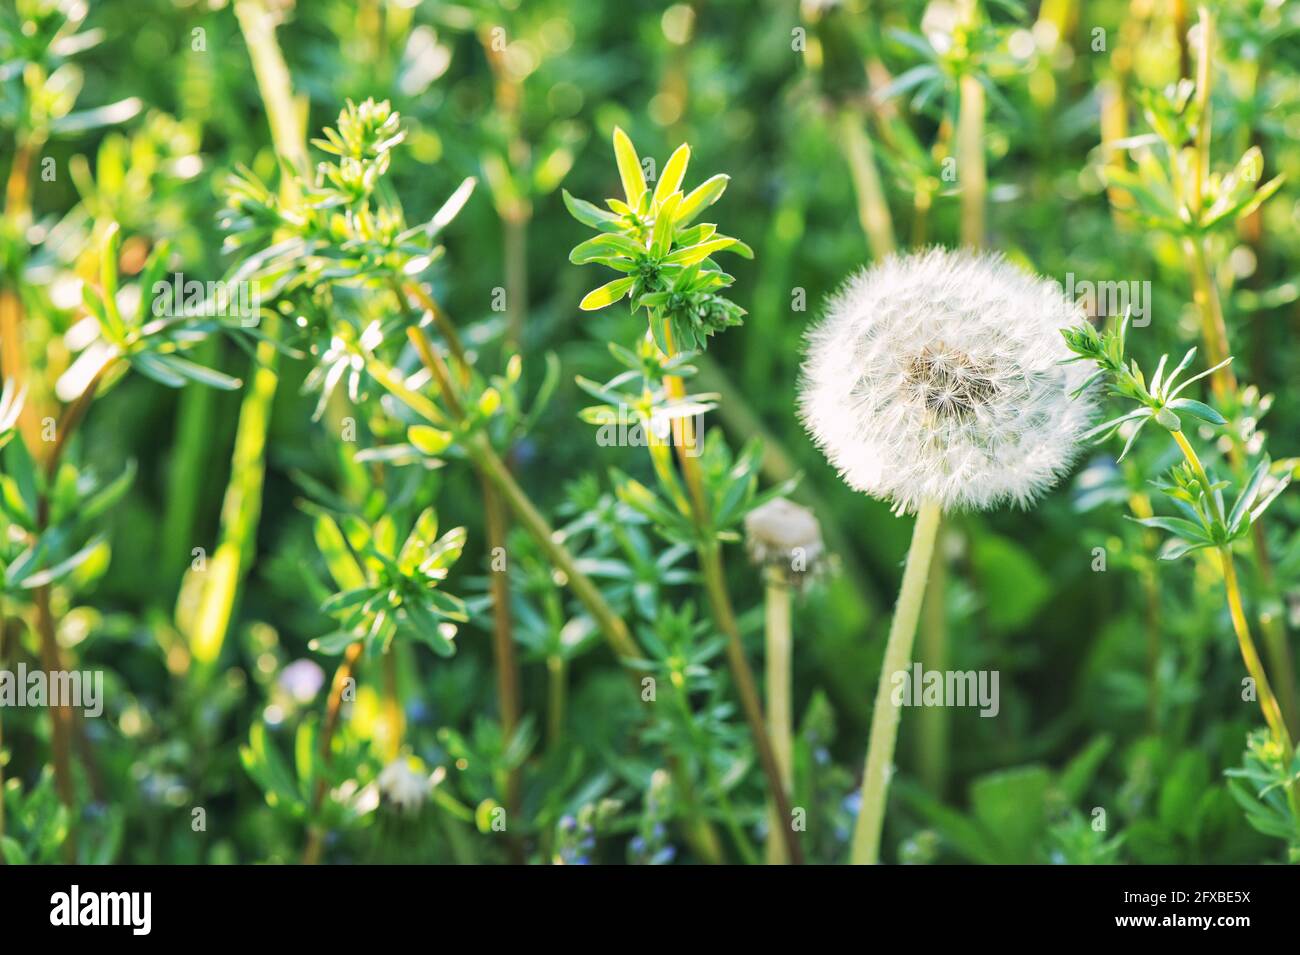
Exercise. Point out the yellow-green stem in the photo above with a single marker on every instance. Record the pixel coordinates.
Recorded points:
(932, 721)
(556, 687)
(873, 209)
(970, 161)
(709, 554)
(241, 508)
(333, 707)
(1267, 701)
(884, 722)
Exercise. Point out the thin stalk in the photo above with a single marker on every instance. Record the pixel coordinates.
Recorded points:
(188, 466)
(932, 721)
(241, 507)
(494, 469)
(316, 834)
(393, 706)
(884, 722)
(725, 806)
(1250, 656)
(1140, 504)
(780, 719)
(13, 357)
(507, 666)
(60, 720)
(873, 209)
(1214, 329)
(970, 161)
(713, 573)
(1179, 15)
(2, 736)
(503, 643)
(612, 626)
(61, 715)
(1267, 701)
(1214, 333)
(515, 228)
(556, 690)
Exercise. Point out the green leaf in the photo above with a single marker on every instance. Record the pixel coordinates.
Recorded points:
(64, 567)
(629, 168)
(340, 560)
(1012, 807)
(698, 253)
(1248, 495)
(108, 253)
(453, 608)
(1176, 525)
(607, 245)
(1014, 586)
(607, 294)
(149, 365)
(429, 440)
(588, 214)
(671, 177)
(22, 497)
(192, 371)
(333, 644)
(700, 198)
(1198, 409)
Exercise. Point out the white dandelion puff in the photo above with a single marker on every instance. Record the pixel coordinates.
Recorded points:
(937, 377)
(401, 784)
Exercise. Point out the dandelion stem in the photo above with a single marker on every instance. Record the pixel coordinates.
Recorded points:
(932, 721)
(779, 708)
(884, 722)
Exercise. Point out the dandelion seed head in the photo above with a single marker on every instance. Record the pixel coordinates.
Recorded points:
(938, 376)
(402, 784)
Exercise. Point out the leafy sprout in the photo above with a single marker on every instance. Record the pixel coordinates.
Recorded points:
(667, 263)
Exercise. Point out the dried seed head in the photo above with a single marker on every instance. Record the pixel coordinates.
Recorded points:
(937, 376)
(785, 537)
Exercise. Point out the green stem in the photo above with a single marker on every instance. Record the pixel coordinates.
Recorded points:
(932, 721)
(556, 690)
(1267, 701)
(725, 806)
(970, 161)
(780, 718)
(884, 723)
(709, 553)
(241, 507)
(342, 675)
(873, 209)
(608, 622)
(494, 469)
(3, 633)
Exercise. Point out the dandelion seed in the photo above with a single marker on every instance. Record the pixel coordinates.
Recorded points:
(404, 787)
(937, 377)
